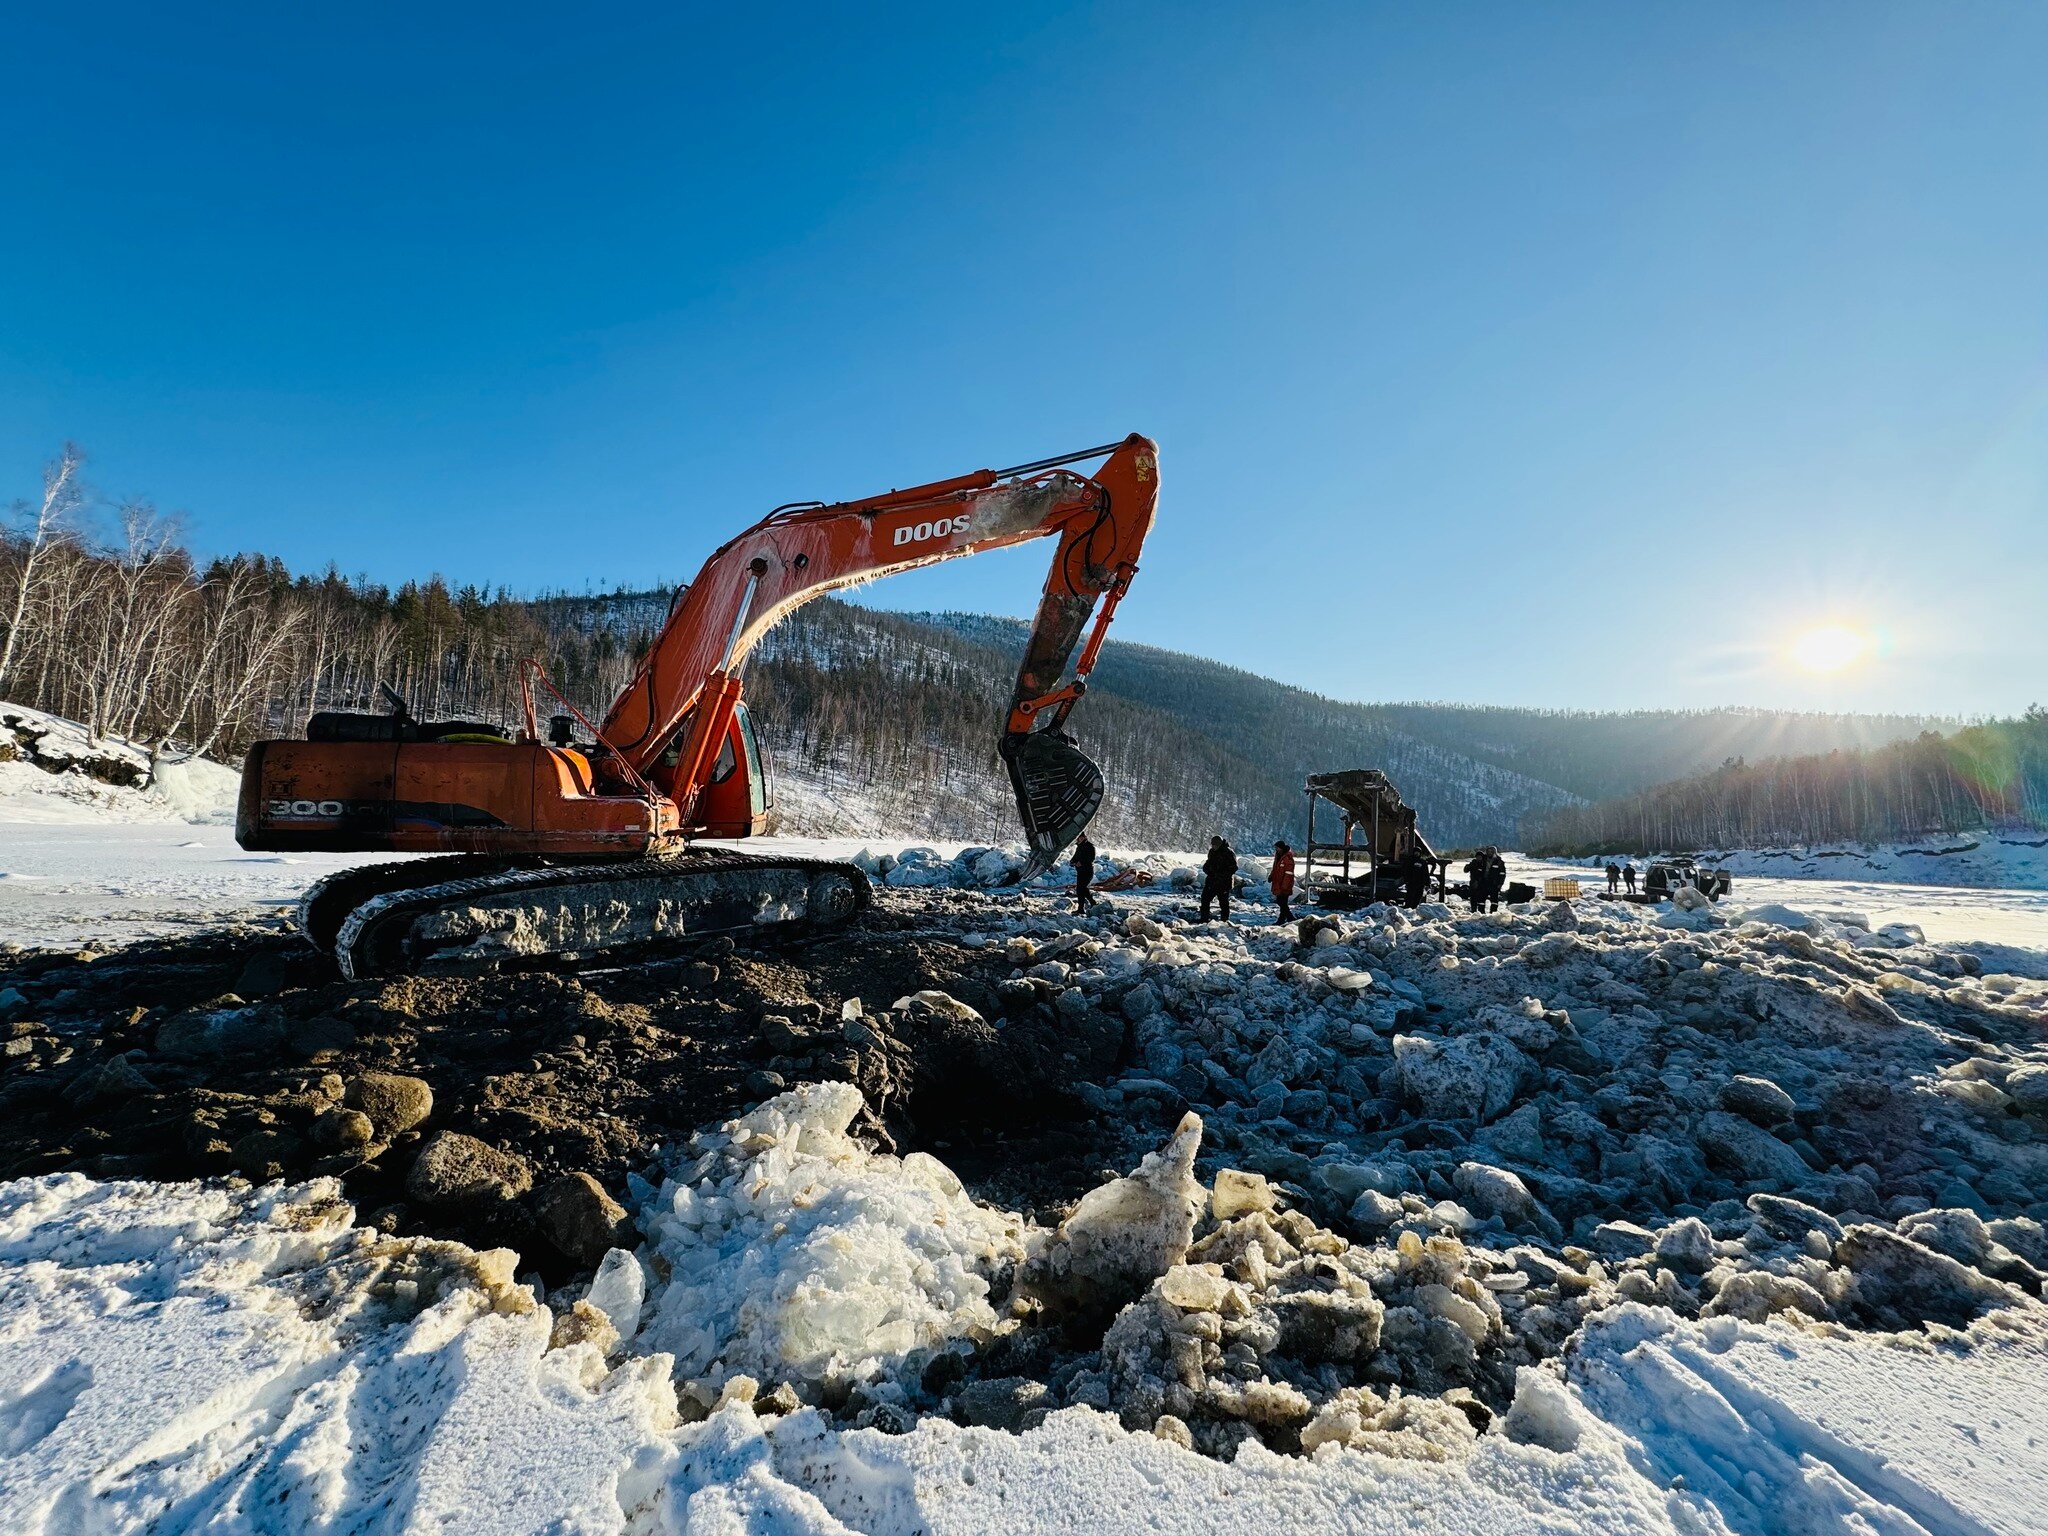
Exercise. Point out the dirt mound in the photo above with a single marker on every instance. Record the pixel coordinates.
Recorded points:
(244, 1053)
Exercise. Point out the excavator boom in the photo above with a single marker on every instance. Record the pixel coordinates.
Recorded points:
(669, 721)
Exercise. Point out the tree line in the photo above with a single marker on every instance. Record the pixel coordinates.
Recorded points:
(1988, 775)
(106, 618)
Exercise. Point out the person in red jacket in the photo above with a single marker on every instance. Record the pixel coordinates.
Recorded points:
(1283, 880)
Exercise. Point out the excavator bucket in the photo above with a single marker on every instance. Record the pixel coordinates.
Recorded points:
(1058, 791)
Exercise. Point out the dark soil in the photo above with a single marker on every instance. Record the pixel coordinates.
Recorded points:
(217, 1055)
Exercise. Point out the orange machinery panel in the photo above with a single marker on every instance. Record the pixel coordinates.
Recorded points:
(441, 796)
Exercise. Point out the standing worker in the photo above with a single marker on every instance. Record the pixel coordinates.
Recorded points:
(1283, 880)
(1613, 877)
(1414, 877)
(1496, 878)
(1475, 880)
(1217, 872)
(1628, 873)
(1084, 873)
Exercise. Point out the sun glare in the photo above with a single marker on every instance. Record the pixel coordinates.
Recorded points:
(1830, 648)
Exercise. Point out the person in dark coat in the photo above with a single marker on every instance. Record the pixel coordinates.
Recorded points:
(1414, 877)
(1217, 872)
(1084, 872)
(1613, 877)
(1475, 880)
(1496, 878)
(1628, 875)
(1283, 880)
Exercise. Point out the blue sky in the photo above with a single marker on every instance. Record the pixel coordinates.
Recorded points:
(1574, 355)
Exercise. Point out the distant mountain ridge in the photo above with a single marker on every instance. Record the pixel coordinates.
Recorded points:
(887, 721)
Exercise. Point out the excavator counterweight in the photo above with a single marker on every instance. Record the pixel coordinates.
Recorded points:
(568, 848)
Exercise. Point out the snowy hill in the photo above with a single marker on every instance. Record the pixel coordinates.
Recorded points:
(875, 713)
(51, 773)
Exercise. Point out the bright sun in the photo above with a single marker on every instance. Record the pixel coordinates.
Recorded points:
(1830, 648)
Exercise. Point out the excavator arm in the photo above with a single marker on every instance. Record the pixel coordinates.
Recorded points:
(668, 724)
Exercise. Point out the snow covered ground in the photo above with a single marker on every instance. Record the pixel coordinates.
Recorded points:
(212, 1357)
(247, 1360)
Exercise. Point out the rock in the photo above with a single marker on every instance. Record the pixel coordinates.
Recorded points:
(1141, 1002)
(343, 1130)
(1623, 1239)
(1901, 1284)
(999, 1403)
(1756, 1294)
(265, 975)
(583, 1324)
(1519, 1135)
(780, 1035)
(1238, 1193)
(394, 1102)
(1686, 1244)
(114, 1079)
(1757, 1099)
(1174, 1431)
(1472, 1077)
(1751, 1151)
(575, 1214)
(12, 1001)
(268, 1153)
(320, 1035)
(1790, 1220)
(1495, 1191)
(1373, 1211)
(2028, 1088)
(782, 1400)
(764, 1084)
(453, 1169)
(216, 1034)
(618, 1290)
(932, 1005)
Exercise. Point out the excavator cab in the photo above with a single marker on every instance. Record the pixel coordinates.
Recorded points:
(735, 802)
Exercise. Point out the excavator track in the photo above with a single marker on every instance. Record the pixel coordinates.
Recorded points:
(326, 904)
(577, 912)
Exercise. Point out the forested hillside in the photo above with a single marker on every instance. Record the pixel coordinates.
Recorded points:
(1984, 776)
(876, 721)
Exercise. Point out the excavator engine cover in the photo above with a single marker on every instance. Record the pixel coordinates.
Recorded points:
(1058, 792)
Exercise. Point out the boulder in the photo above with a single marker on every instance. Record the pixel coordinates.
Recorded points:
(575, 1214)
(453, 1169)
(1003, 1402)
(1901, 1284)
(394, 1102)
(1790, 1220)
(1495, 1191)
(1757, 1099)
(1473, 1077)
(1749, 1150)
(1686, 1244)
(2028, 1088)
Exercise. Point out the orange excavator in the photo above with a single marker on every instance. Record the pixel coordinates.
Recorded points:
(566, 848)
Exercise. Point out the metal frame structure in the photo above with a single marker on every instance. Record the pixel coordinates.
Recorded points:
(1373, 786)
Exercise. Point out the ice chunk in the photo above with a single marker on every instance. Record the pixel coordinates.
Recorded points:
(795, 1254)
(1125, 1233)
(618, 1289)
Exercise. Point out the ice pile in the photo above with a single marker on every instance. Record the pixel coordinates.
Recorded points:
(1548, 1068)
(787, 1252)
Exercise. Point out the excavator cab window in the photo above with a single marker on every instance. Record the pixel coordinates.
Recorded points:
(757, 762)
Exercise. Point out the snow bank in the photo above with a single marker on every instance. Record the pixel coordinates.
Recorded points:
(247, 1360)
(51, 773)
